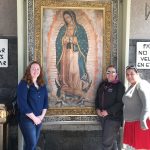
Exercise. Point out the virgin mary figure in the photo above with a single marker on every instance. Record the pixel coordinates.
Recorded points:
(71, 56)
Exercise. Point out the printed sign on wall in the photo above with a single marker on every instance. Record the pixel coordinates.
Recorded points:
(3, 52)
(143, 55)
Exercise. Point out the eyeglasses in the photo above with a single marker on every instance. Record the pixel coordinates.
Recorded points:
(132, 67)
(110, 72)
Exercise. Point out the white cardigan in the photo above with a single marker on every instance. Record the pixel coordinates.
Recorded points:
(137, 103)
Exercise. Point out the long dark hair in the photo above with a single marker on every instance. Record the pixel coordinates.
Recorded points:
(71, 14)
(28, 78)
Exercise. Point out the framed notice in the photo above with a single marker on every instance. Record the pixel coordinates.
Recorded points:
(3, 52)
(143, 55)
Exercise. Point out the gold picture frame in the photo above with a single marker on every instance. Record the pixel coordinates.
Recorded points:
(105, 8)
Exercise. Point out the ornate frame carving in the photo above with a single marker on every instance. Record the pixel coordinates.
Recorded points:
(34, 37)
(76, 4)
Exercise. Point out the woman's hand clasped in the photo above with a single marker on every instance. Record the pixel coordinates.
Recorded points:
(102, 113)
(37, 120)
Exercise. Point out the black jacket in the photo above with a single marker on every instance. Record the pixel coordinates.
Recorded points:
(109, 97)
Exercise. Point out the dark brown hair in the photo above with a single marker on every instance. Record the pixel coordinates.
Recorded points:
(71, 14)
(28, 78)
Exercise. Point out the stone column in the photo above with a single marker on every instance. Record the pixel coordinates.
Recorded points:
(125, 35)
(21, 25)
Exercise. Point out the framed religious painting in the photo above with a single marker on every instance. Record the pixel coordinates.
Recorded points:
(73, 42)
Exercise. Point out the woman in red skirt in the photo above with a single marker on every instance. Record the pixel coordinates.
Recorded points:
(136, 111)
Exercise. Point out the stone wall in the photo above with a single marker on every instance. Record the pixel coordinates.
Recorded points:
(140, 19)
(8, 17)
(9, 75)
(139, 30)
(70, 140)
(8, 83)
(8, 30)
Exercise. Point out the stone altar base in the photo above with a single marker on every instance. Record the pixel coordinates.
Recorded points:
(70, 140)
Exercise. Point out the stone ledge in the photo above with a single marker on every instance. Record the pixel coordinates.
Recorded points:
(71, 119)
(72, 122)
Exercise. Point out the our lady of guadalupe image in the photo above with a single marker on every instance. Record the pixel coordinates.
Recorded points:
(71, 57)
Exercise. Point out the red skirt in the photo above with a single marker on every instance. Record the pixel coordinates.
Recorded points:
(135, 136)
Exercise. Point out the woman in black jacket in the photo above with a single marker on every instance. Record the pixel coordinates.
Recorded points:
(109, 107)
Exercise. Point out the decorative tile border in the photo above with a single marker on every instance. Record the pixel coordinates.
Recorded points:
(114, 52)
(30, 30)
(72, 119)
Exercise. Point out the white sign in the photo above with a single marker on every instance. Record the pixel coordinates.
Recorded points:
(143, 55)
(3, 52)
